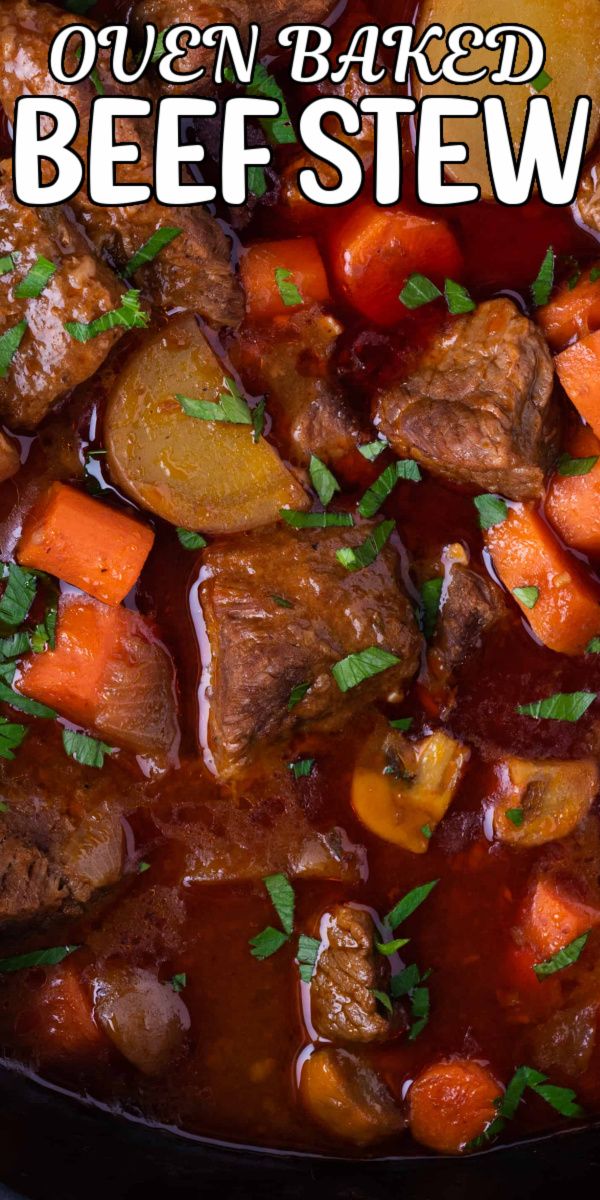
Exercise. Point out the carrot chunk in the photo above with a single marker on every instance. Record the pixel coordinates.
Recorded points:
(451, 1103)
(280, 277)
(84, 542)
(553, 918)
(59, 1018)
(573, 313)
(573, 501)
(106, 672)
(375, 250)
(579, 372)
(559, 601)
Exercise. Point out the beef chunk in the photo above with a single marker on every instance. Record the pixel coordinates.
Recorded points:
(345, 1096)
(30, 884)
(49, 362)
(261, 651)
(565, 1043)
(349, 970)
(471, 603)
(588, 196)
(290, 360)
(478, 408)
(270, 15)
(194, 270)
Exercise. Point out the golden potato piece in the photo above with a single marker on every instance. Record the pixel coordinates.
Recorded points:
(401, 787)
(207, 475)
(546, 800)
(145, 1019)
(572, 37)
(348, 1099)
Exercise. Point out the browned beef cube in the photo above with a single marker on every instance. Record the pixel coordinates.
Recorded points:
(262, 651)
(348, 973)
(49, 362)
(194, 270)
(478, 408)
(471, 604)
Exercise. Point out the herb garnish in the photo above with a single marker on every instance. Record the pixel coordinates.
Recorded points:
(8, 262)
(297, 694)
(267, 942)
(11, 736)
(563, 1100)
(493, 510)
(402, 723)
(409, 903)
(307, 954)
(575, 466)
(358, 557)
(231, 407)
(431, 595)
(405, 468)
(9, 344)
(189, 539)
(541, 81)
(593, 646)
(355, 668)
(516, 816)
(528, 596)
(36, 958)
(18, 596)
(178, 982)
(87, 751)
(36, 279)
(325, 520)
(288, 290)
(281, 602)
(161, 238)
(565, 706)
(565, 957)
(323, 481)
(302, 768)
(258, 420)
(372, 450)
(270, 940)
(257, 181)
(458, 298)
(541, 288)
(388, 948)
(128, 316)
(418, 290)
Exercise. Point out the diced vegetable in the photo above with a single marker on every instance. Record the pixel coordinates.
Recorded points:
(281, 276)
(451, 1103)
(9, 458)
(60, 1020)
(108, 672)
(579, 372)
(573, 312)
(86, 543)
(551, 798)
(145, 1019)
(525, 553)
(573, 499)
(554, 918)
(375, 251)
(572, 45)
(347, 1098)
(200, 475)
(399, 787)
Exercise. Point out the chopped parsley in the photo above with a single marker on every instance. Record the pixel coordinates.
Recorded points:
(593, 647)
(417, 291)
(18, 595)
(541, 81)
(431, 595)
(87, 751)
(9, 344)
(594, 274)
(493, 510)
(354, 669)
(388, 948)
(427, 832)
(36, 279)
(189, 539)
(297, 694)
(15, 645)
(372, 450)
(11, 736)
(267, 942)
(8, 262)
(358, 557)
(129, 316)
(458, 298)
(36, 958)
(231, 407)
(542, 286)
(257, 181)
(178, 982)
(308, 951)
(288, 291)
(564, 706)
(278, 129)
(409, 982)
(16, 700)
(282, 898)
(562, 1100)
(528, 596)
(409, 903)
(281, 602)
(325, 520)
(302, 769)
(385, 1001)
(516, 816)
(258, 420)
(565, 957)
(402, 723)
(323, 481)
(576, 466)
(161, 238)
(405, 468)
(143, 866)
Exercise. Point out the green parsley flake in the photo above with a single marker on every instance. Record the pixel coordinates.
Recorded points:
(36, 958)
(128, 316)
(405, 468)
(143, 866)
(594, 274)
(282, 898)
(87, 751)
(297, 694)
(356, 668)
(36, 279)
(257, 181)
(493, 510)
(409, 903)
(427, 832)
(267, 942)
(303, 768)
(516, 816)
(358, 557)
(278, 129)
(18, 596)
(569, 706)
(458, 298)
(565, 957)
(11, 736)
(593, 647)
(281, 602)
(568, 466)
(258, 420)
(288, 291)
(541, 288)
(431, 595)
(417, 291)
(8, 262)
(324, 483)
(385, 1001)
(308, 952)
(388, 948)
(9, 344)
(528, 596)
(541, 81)
(160, 239)
(15, 645)
(302, 520)
(178, 982)
(231, 408)
(372, 450)
(402, 723)
(189, 539)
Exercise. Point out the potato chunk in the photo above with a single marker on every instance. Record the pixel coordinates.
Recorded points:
(146, 1020)
(207, 475)
(400, 787)
(546, 799)
(572, 38)
(348, 1098)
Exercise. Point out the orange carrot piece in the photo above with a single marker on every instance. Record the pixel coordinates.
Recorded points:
(579, 372)
(273, 272)
(452, 1102)
(553, 919)
(572, 313)
(84, 542)
(526, 554)
(69, 678)
(60, 1018)
(375, 250)
(573, 501)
